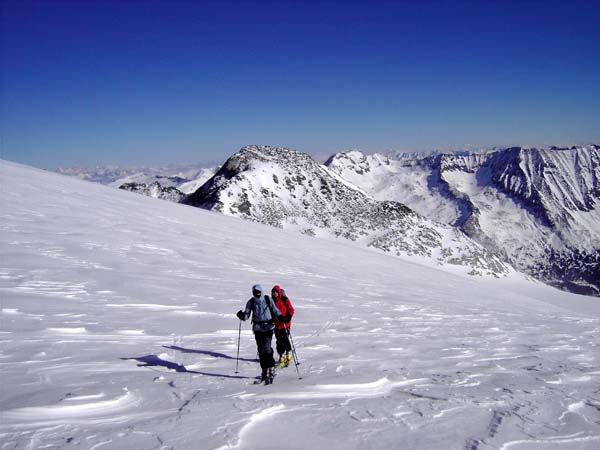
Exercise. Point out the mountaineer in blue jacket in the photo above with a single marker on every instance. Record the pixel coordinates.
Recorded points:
(263, 312)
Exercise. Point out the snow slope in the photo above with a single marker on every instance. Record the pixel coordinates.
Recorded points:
(118, 332)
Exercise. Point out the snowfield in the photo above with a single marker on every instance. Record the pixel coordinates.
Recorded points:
(118, 332)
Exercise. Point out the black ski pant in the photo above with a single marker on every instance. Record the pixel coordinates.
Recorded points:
(265, 351)
(283, 341)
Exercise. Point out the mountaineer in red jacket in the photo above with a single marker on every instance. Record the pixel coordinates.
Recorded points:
(284, 305)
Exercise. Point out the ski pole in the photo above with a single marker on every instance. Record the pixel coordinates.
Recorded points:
(294, 354)
(237, 362)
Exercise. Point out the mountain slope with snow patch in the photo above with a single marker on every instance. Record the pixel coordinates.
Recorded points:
(538, 208)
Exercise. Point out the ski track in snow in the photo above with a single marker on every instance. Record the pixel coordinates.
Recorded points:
(120, 334)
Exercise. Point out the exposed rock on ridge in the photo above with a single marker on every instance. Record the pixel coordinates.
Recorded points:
(155, 190)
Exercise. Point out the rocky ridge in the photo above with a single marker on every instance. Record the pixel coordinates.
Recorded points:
(155, 190)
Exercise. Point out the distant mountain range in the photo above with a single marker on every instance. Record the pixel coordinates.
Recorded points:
(536, 210)
(171, 182)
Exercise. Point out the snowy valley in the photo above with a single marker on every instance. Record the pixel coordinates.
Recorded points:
(118, 332)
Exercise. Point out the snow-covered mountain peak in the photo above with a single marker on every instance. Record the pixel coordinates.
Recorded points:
(268, 152)
(288, 189)
(357, 161)
(266, 158)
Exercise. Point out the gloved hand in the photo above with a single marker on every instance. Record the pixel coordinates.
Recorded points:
(285, 319)
(240, 315)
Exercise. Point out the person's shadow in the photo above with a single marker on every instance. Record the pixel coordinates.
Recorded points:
(155, 361)
(207, 352)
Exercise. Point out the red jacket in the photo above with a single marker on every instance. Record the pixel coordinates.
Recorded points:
(284, 305)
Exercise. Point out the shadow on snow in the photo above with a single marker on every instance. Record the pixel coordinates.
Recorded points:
(155, 361)
(207, 352)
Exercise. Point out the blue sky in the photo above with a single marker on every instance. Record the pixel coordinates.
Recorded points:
(148, 82)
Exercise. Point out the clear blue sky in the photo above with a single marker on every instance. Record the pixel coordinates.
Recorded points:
(143, 82)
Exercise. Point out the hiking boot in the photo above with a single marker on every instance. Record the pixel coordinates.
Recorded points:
(288, 359)
(270, 376)
(282, 360)
(263, 375)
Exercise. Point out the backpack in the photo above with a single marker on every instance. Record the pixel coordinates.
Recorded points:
(286, 300)
(268, 302)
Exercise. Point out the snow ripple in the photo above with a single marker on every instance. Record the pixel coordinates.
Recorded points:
(377, 388)
(558, 443)
(78, 330)
(54, 288)
(252, 422)
(69, 413)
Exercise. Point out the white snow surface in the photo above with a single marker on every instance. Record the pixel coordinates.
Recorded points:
(118, 332)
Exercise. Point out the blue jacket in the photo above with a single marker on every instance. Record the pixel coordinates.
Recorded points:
(261, 308)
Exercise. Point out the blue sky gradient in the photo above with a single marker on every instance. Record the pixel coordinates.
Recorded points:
(148, 82)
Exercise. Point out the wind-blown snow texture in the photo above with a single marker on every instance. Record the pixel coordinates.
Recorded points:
(118, 332)
(538, 208)
(288, 189)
